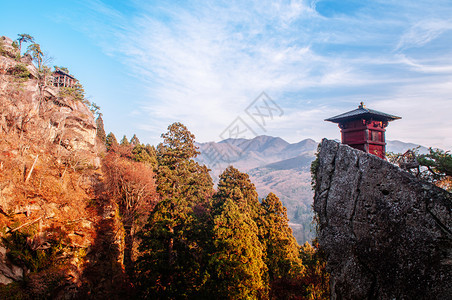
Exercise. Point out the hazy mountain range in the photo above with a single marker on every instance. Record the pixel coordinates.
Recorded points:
(274, 165)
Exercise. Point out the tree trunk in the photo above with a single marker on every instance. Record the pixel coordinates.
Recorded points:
(128, 250)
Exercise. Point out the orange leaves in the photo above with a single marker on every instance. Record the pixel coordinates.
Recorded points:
(131, 184)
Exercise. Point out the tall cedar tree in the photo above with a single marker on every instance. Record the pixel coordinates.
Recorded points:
(144, 154)
(282, 251)
(111, 142)
(236, 268)
(134, 140)
(124, 141)
(100, 129)
(171, 262)
(232, 178)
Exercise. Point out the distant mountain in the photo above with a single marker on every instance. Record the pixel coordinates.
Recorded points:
(274, 165)
(401, 147)
(301, 162)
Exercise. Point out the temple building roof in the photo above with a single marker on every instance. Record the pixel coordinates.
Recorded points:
(59, 71)
(362, 113)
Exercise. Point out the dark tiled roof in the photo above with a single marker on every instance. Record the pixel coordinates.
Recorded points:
(63, 73)
(363, 112)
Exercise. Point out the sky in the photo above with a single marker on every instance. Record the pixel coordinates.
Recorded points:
(246, 68)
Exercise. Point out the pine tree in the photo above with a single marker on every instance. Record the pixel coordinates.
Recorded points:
(100, 129)
(24, 38)
(37, 54)
(439, 167)
(111, 142)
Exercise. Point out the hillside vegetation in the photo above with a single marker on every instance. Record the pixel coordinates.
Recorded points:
(85, 217)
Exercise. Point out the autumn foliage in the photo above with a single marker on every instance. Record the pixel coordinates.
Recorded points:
(131, 184)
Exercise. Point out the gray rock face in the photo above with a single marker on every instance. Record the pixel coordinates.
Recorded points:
(387, 235)
(8, 271)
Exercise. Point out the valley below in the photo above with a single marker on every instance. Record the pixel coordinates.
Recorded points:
(275, 165)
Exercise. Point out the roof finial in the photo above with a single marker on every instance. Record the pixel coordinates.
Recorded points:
(361, 105)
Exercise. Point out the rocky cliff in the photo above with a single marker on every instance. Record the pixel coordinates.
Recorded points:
(33, 106)
(386, 234)
(60, 235)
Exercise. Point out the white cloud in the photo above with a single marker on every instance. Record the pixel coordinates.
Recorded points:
(423, 32)
(202, 64)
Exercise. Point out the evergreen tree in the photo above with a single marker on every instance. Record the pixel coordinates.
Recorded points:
(95, 109)
(434, 167)
(134, 140)
(232, 178)
(439, 167)
(100, 129)
(282, 251)
(150, 150)
(316, 279)
(178, 144)
(140, 154)
(236, 268)
(124, 141)
(172, 254)
(24, 38)
(111, 142)
(37, 55)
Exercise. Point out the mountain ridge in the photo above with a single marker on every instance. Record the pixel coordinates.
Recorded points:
(275, 165)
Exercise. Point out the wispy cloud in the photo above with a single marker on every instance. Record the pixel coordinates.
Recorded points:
(423, 32)
(202, 63)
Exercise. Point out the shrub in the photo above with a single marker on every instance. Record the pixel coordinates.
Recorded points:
(19, 71)
(22, 252)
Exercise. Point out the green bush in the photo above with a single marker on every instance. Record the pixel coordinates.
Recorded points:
(19, 71)
(21, 252)
(76, 92)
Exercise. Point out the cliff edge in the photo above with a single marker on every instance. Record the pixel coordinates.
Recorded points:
(60, 234)
(387, 235)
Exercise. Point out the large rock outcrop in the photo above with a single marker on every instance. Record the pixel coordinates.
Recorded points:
(387, 235)
(31, 105)
(55, 222)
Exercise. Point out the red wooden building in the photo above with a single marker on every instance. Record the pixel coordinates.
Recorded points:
(63, 79)
(364, 129)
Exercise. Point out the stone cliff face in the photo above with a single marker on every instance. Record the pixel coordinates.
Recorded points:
(387, 235)
(29, 104)
(59, 233)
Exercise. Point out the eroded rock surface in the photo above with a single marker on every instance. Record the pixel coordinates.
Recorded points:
(387, 234)
(29, 104)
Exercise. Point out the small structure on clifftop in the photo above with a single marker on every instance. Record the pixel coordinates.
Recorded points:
(364, 129)
(62, 79)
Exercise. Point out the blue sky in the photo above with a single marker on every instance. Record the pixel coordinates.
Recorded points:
(151, 63)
